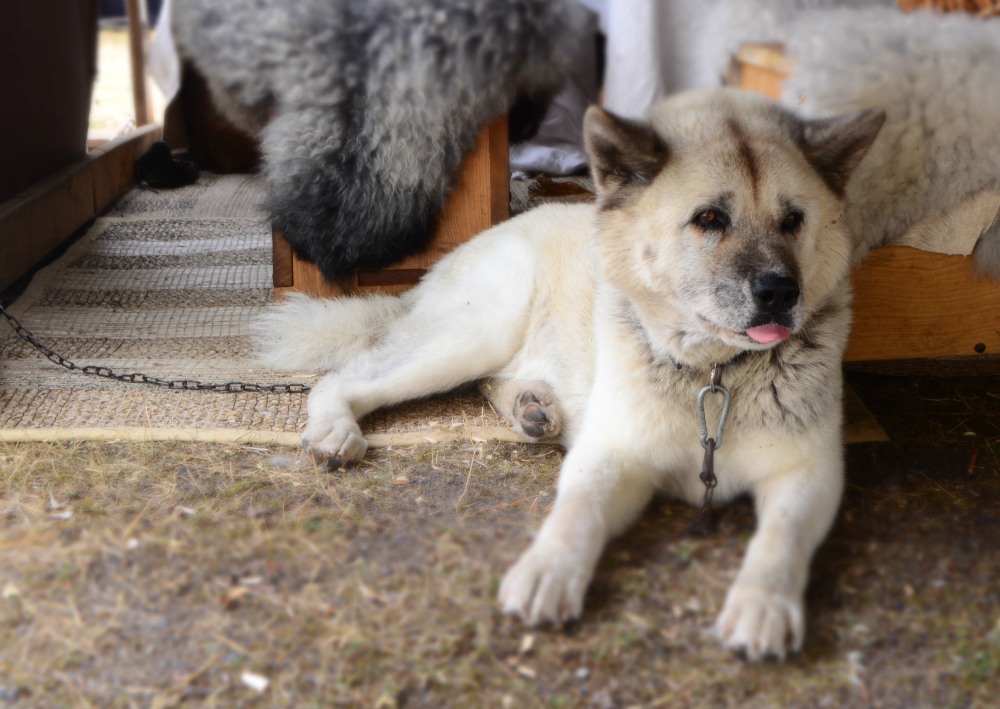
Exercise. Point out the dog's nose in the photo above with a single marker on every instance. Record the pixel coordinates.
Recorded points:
(774, 293)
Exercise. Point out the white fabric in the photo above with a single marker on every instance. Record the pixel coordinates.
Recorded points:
(633, 76)
(557, 149)
(164, 64)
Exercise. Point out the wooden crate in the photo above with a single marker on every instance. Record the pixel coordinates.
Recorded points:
(908, 303)
(480, 200)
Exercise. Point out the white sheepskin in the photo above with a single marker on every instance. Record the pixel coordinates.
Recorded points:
(296, 333)
(700, 37)
(937, 77)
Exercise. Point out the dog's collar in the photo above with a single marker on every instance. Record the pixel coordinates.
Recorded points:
(735, 359)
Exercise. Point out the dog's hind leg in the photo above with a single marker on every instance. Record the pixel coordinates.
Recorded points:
(464, 322)
(530, 406)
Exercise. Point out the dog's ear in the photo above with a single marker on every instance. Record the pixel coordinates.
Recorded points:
(622, 152)
(835, 146)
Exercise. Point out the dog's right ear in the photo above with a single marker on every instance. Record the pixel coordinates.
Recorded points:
(622, 152)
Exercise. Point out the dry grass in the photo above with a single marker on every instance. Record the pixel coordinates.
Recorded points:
(183, 566)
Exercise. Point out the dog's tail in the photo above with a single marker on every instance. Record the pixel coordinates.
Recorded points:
(303, 333)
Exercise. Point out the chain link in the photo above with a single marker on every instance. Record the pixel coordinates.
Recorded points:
(139, 378)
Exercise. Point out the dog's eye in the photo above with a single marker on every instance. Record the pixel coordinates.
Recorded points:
(710, 219)
(791, 222)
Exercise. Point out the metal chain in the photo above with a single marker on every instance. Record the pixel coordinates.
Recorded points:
(139, 378)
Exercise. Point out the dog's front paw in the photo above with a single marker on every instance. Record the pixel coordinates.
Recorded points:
(334, 441)
(760, 622)
(545, 586)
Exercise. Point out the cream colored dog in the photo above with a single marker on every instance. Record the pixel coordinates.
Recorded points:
(716, 240)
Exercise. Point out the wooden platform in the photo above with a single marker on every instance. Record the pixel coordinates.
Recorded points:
(908, 304)
(480, 200)
(912, 304)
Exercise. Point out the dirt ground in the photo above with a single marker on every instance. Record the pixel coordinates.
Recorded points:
(164, 575)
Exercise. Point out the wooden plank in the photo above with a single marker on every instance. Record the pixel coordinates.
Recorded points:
(499, 172)
(307, 279)
(282, 265)
(481, 199)
(47, 213)
(910, 303)
(762, 68)
(137, 31)
(390, 277)
(763, 81)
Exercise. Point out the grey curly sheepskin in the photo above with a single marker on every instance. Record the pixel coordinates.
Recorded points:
(376, 102)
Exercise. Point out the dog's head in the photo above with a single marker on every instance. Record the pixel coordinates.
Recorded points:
(721, 213)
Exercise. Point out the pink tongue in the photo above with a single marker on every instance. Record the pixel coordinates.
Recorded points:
(767, 333)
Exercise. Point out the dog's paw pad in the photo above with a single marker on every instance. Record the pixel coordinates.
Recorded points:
(536, 417)
(759, 623)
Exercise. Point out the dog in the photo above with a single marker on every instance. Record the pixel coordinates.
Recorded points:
(714, 258)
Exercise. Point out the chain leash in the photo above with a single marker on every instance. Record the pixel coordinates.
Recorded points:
(138, 378)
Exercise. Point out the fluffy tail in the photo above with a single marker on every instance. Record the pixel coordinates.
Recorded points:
(303, 333)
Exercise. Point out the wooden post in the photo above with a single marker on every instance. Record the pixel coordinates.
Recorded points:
(138, 30)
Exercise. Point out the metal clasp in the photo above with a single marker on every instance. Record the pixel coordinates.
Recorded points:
(715, 388)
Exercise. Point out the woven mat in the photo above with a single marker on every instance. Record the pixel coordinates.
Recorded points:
(167, 284)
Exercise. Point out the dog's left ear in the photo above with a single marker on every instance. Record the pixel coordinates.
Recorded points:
(835, 146)
(622, 152)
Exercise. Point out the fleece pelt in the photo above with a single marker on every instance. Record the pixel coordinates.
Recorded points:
(935, 75)
(375, 103)
(697, 63)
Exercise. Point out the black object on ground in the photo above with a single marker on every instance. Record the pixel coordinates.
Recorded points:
(160, 168)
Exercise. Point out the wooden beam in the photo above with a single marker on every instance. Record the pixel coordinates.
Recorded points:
(282, 261)
(47, 213)
(912, 304)
(138, 31)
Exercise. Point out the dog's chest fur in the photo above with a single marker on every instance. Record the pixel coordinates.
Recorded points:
(789, 388)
